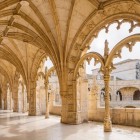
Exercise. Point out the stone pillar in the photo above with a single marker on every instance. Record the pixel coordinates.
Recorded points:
(8, 98)
(20, 97)
(5, 102)
(32, 101)
(84, 100)
(15, 96)
(64, 111)
(107, 119)
(4, 96)
(24, 96)
(47, 100)
(15, 103)
(71, 113)
(15, 92)
(0, 99)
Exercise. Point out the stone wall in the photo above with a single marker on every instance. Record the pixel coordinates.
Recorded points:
(122, 116)
(125, 70)
(55, 110)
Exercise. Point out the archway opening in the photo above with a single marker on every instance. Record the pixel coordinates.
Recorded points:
(48, 99)
(119, 96)
(136, 95)
(22, 95)
(116, 35)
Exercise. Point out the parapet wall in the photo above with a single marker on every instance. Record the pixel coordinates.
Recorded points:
(123, 116)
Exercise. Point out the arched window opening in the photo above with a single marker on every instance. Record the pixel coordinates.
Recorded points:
(119, 96)
(102, 96)
(22, 95)
(54, 90)
(136, 95)
(48, 98)
(118, 37)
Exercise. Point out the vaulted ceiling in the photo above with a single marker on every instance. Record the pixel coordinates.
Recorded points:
(32, 29)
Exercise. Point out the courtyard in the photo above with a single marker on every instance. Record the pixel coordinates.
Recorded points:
(20, 126)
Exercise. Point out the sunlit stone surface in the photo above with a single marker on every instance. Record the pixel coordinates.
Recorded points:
(16, 126)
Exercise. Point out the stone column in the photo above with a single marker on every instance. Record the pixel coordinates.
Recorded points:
(25, 99)
(5, 102)
(8, 98)
(32, 101)
(0, 99)
(107, 119)
(15, 106)
(84, 99)
(15, 92)
(47, 101)
(71, 113)
(4, 96)
(15, 95)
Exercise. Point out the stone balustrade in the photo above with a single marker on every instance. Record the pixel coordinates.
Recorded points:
(122, 103)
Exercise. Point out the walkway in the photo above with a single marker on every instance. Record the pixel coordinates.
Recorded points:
(17, 126)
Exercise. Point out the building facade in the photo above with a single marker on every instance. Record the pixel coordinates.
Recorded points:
(124, 84)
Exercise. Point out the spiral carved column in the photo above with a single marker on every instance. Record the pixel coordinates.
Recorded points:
(107, 119)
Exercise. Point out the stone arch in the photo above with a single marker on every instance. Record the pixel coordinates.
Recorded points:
(19, 14)
(41, 39)
(98, 58)
(126, 86)
(81, 84)
(13, 59)
(127, 92)
(97, 20)
(5, 73)
(39, 56)
(129, 42)
(53, 91)
(48, 73)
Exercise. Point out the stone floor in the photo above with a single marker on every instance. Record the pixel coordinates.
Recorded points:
(17, 126)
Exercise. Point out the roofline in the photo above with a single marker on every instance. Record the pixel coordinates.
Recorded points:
(121, 62)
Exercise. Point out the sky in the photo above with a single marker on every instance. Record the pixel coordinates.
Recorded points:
(48, 63)
(113, 37)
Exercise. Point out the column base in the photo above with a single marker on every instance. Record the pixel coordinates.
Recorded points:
(15, 110)
(107, 125)
(46, 116)
(73, 118)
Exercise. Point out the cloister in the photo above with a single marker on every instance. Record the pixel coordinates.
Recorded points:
(33, 31)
